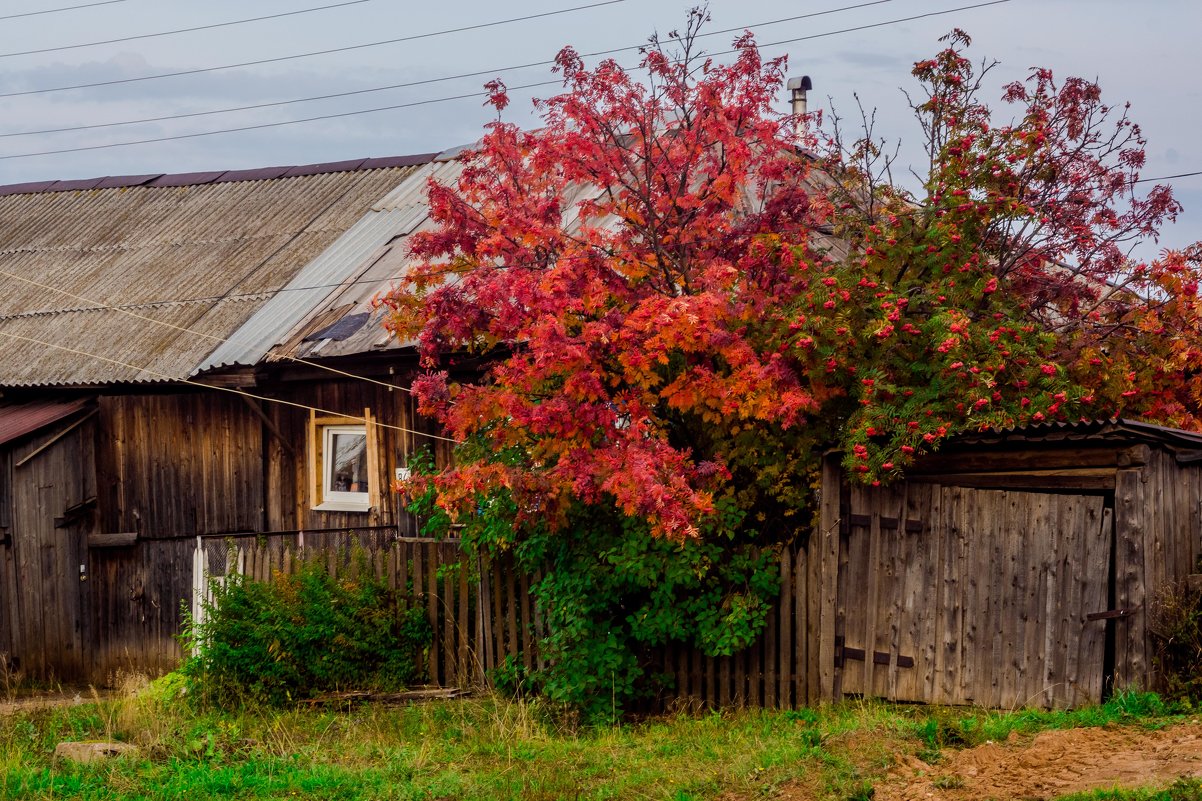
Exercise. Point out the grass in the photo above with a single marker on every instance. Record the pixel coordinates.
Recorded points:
(489, 748)
(1180, 790)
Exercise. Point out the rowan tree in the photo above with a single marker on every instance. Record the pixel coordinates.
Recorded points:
(696, 295)
(626, 257)
(642, 424)
(992, 296)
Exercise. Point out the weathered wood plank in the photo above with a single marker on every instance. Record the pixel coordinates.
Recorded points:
(1085, 479)
(954, 585)
(786, 658)
(825, 588)
(867, 636)
(463, 612)
(1130, 508)
(1055, 457)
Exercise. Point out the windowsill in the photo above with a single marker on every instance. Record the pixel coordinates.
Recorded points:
(343, 506)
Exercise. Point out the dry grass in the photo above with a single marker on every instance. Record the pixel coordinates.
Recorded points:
(475, 748)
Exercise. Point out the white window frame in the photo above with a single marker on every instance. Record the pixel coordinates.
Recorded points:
(321, 437)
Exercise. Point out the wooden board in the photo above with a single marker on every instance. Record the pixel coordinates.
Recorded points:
(986, 604)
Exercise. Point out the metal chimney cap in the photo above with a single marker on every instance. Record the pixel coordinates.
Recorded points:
(803, 83)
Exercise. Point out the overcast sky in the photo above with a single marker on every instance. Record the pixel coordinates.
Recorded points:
(1146, 53)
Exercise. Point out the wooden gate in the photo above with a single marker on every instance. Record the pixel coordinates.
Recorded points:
(957, 595)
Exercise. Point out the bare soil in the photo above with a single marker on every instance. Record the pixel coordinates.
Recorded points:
(72, 697)
(1053, 764)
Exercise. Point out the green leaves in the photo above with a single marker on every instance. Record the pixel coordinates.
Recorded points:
(610, 593)
(302, 634)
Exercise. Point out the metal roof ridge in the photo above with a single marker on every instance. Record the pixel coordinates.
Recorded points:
(200, 178)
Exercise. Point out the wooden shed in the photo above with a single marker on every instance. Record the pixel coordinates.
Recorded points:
(126, 431)
(1014, 568)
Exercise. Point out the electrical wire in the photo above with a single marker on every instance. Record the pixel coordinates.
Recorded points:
(57, 10)
(124, 308)
(397, 106)
(410, 38)
(192, 331)
(232, 390)
(408, 84)
(1168, 177)
(264, 125)
(184, 30)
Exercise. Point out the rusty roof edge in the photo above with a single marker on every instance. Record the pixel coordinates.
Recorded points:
(214, 176)
(21, 419)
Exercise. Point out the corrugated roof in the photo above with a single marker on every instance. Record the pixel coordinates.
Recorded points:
(380, 270)
(1110, 428)
(216, 176)
(20, 419)
(202, 252)
(370, 277)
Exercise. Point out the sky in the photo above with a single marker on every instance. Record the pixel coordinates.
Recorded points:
(1145, 53)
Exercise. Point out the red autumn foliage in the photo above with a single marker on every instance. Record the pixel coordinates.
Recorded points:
(686, 298)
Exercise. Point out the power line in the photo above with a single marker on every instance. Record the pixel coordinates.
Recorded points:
(409, 84)
(261, 126)
(882, 24)
(265, 125)
(310, 287)
(1169, 177)
(411, 38)
(56, 10)
(186, 330)
(232, 390)
(184, 30)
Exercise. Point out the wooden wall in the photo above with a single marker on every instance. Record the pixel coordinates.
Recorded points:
(165, 467)
(962, 595)
(178, 465)
(984, 582)
(1158, 541)
(289, 506)
(132, 606)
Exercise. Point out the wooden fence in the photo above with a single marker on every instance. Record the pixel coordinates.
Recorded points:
(437, 575)
(482, 612)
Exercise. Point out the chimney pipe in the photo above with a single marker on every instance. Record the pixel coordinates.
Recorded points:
(797, 89)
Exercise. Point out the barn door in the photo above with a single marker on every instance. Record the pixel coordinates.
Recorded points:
(973, 596)
(51, 483)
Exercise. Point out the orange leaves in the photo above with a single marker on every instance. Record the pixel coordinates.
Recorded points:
(626, 259)
(678, 306)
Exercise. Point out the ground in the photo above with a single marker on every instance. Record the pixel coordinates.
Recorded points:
(492, 748)
(15, 704)
(1053, 764)
(1050, 765)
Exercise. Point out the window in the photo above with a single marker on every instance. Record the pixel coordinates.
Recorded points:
(343, 463)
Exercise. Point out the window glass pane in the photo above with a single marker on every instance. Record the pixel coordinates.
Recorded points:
(348, 467)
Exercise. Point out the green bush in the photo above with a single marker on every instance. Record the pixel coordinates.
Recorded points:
(610, 594)
(1176, 622)
(300, 635)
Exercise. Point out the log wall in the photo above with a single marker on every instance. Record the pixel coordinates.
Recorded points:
(1004, 578)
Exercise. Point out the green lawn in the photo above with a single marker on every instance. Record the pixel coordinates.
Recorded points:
(490, 748)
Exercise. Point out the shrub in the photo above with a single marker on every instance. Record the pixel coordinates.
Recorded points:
(1176, 621)
(302, 634)
(611, 595)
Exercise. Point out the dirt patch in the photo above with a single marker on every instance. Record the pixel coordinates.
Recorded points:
(12, 706)
(1054, 763)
